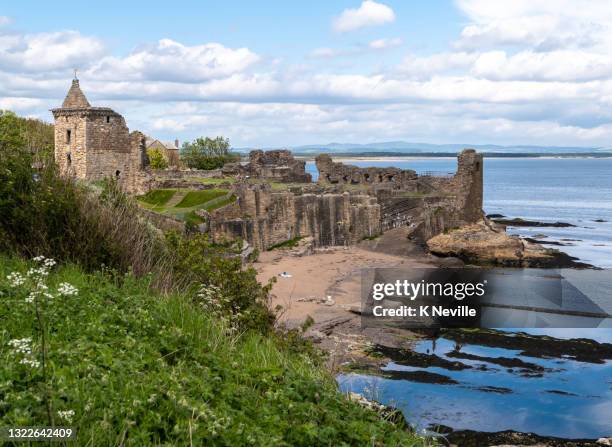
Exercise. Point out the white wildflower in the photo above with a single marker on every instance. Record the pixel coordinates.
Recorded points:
(38, 259)
(15, 279)
(21, 345)
(30, 362)
(67, 289)
(30, 298)
(66, 415)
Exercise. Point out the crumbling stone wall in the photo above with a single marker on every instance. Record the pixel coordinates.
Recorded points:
(269, 218)
(276, 165)
(93, 143)
(331, 172)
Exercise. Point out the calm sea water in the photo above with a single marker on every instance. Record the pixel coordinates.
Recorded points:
(577, 191)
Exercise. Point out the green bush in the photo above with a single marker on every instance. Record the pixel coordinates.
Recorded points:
(157, 159)
(126, 366)
(243, 301)
(207, 153)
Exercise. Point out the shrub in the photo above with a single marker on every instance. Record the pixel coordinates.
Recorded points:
(207, 153)
(157, 159)
(126, 366)
(203, 265)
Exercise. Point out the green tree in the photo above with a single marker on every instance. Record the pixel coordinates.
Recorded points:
(157, 159)
(207, 153)
(11, 131)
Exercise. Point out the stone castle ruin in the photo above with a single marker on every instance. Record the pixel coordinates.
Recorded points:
(94, 143)
(346, 205)
(379, 199)
(276, 165)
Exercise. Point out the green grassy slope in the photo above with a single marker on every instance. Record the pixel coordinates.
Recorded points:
(137, 369)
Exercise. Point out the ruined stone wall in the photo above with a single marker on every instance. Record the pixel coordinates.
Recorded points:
(269, 218)
(331, 172)
(275, 165)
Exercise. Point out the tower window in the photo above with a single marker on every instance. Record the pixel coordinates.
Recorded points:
(68, 135)
(108, 119)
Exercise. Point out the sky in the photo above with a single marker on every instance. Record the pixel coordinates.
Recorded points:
(283, 74)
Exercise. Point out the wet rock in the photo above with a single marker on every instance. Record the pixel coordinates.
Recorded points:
(508, 438)
(420, 376)
(494, 389)
(410, 358)
(518, 222)
(562, 393)
(314, 335)
(578, 349)
(502, 361)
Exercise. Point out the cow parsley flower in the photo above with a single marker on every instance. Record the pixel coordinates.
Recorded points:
(33, 363)
(66, 289)
(66, 415)
(15, 279)
(21, 345)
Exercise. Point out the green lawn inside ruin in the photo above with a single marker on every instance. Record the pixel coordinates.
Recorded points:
(182, 204)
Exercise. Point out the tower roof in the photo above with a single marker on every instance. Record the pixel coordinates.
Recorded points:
(75, 99)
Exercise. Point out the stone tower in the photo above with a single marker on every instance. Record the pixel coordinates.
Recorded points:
(93, 143)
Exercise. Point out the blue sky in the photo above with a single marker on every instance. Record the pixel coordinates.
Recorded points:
(272, 73)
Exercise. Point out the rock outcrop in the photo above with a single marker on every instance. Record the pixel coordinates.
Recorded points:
(481, 244)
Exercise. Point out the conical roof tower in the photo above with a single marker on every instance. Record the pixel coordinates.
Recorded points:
(75, 99)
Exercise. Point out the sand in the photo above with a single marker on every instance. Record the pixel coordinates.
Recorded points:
(327, 285)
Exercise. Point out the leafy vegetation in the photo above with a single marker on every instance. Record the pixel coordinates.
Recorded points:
(207, 153)
(32, 135)
(157, 160)
(128, 366)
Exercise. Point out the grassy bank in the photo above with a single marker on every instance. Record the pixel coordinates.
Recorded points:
(127, 365)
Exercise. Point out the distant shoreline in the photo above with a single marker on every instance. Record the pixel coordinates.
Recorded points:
(398, 156)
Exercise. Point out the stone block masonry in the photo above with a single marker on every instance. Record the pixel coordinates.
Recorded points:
(269, 218)
(94, 143)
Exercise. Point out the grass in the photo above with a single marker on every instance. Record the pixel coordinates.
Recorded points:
(196, 198)
(214, 181)
(139, 368)
(157, 197)
(209, 200)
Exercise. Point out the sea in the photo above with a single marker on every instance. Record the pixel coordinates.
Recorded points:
(573, 399)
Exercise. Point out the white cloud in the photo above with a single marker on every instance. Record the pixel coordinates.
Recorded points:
(539, 24)
(382, 44)
(43, 52)
(370, 13)
(425, 67)
(4, 20)
(174, 62)
(561, 65)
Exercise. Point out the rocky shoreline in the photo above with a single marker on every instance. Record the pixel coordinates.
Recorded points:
(486, 243)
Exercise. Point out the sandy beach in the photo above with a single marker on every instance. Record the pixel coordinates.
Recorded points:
(326, 286)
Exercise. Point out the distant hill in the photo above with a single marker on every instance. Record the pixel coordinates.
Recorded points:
(403, 147)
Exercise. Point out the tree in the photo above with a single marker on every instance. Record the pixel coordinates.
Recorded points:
(157, 159)
(207, 153)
